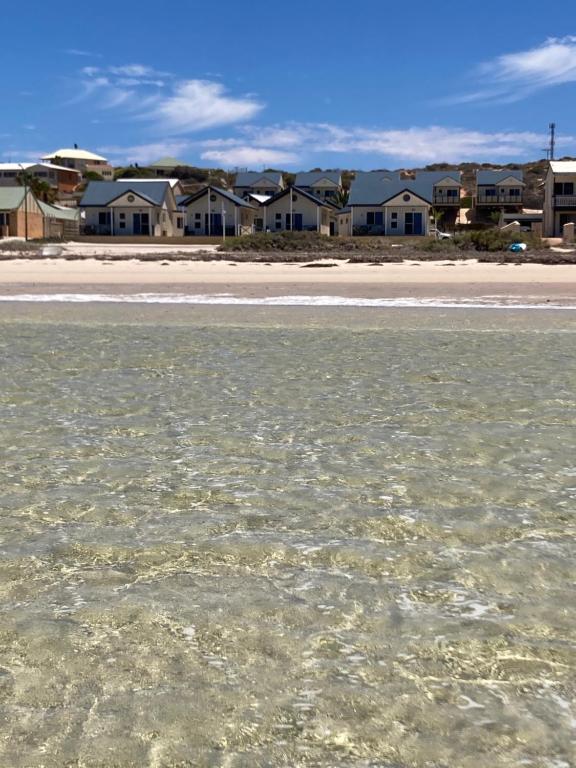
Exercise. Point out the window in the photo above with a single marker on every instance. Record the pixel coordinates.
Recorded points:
(564, 188)
(122, 215)
(197, 225)
(394, 215)
(104, 218)
(514, 192)
(130, 198)
(374, 218)
(490, 192)
(406, 198)
(212, 198)
(4, 219)
(122, 224)
(179, 222)
(197, 216)
(278, 217)
(451, 193)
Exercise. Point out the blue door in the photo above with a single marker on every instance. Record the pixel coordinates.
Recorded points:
(413, 224)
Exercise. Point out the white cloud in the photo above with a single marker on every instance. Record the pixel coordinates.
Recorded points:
(198, 104)
(249, 157)
(513, 76)
(78, 52)
(145, 153)
(416, 144)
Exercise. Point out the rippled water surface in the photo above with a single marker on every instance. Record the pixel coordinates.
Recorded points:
(235, 537)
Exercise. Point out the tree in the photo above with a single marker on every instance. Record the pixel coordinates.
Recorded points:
(341, 198)
(39, 188)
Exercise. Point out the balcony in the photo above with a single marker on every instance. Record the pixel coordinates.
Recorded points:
(440, 199)
(564, 201)
(499, 200)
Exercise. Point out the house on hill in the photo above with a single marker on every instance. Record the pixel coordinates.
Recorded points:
(131, 208)
(81, 160)
(559, 197)
(62, 180)
(165, 166)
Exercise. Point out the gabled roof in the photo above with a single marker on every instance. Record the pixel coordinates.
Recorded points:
(75, 154)
(304, 193)
(102, 193)
(435, 177)
(173, 182)
(563, 166)
(259, 198)
(249, 178)
(375, 187)
(496, 176)
(313, 177)
(185, 200)
(11, 198)
(167, 162)
(26, 166)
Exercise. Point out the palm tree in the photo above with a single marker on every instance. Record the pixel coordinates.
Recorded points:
(39, 188)
(341, 198)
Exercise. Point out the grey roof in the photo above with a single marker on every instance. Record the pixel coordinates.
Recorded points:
(102, 193)
(495, 176)
(434, 177)
(11, 198)
(304, 193)
(249, 178)
(184, 200)
(313, 177)
(376, 187)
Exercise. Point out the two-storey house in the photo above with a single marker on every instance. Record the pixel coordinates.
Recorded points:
(323, 184)
(267, 183)
(559, 197)
(81, 160)
(498, 190)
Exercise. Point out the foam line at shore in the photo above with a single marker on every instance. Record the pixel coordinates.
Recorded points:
(483, 302)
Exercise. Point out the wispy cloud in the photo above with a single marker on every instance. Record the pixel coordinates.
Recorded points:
(172, 107)
(514, 76)
(415, 144)
(198, 104)
(145, 153)
(79, 52)
(249, 157)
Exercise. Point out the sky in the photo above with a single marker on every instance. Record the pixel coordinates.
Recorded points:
(365, 85)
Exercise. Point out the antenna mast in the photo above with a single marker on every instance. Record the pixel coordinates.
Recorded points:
(552, 127)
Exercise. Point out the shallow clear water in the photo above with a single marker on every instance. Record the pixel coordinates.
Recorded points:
(235, 537)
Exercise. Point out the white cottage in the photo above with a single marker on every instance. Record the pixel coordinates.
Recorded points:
(298, 210)
(213, 211)
(131, 208)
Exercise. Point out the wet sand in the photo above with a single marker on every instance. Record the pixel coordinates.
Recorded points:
(466, 280)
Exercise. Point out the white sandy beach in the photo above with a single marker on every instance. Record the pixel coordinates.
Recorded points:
(466, 279)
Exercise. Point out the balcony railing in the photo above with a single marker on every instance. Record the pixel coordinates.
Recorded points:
(565, 201)
(499, 199)
(440, 199)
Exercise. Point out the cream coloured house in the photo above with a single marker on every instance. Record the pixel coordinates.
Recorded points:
(267, 183)
(297, 210)
(323, 184)
(122, 208)
(81, 160)
(383, 203)
(213, 211)
(559, 197)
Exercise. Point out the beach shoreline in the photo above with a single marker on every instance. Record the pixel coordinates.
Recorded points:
(466, 280)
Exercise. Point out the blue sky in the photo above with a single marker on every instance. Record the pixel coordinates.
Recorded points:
(365, 84)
